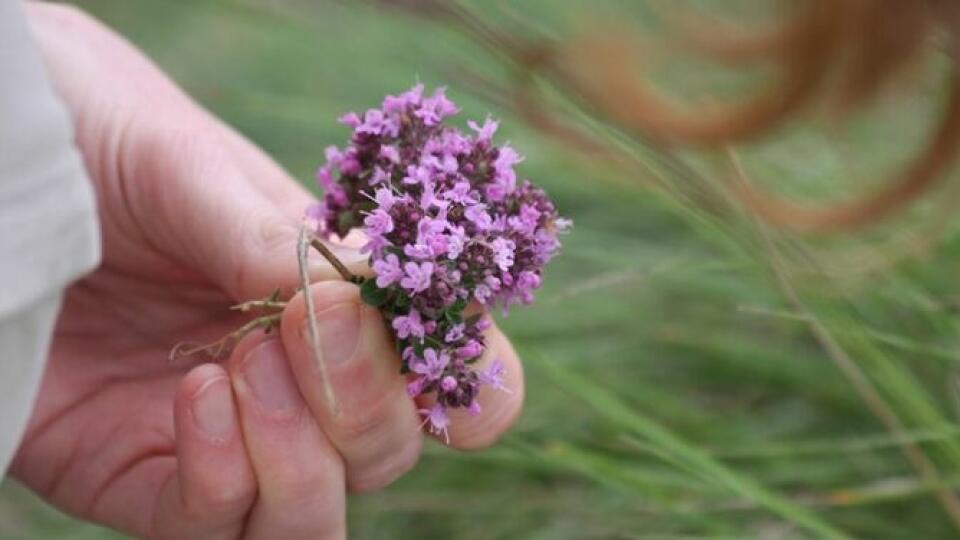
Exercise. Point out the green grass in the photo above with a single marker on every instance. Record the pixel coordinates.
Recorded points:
(675, 389)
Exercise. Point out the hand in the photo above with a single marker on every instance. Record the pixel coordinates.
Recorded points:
(195, 218)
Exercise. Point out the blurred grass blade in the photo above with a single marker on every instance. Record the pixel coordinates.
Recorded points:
(678, 450)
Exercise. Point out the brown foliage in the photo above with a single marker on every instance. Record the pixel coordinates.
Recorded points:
(837, 53)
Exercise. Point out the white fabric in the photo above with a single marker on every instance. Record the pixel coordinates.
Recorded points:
(48, 228)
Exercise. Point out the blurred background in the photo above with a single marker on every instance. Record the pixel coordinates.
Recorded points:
(692, 372)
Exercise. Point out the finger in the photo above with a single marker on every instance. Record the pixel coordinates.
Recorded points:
(375, 426)
(299, 473)
(268, 177)
(214, 485)
(499, 408)
(199, 206)
(275, 184)
(191, 186)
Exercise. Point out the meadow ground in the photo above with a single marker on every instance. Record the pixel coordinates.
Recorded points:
(689, 372)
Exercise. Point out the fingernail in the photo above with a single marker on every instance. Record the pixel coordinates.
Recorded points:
(212, 409)
(269, 377)
(338, 329)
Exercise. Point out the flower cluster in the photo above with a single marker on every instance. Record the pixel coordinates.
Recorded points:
(448, 224)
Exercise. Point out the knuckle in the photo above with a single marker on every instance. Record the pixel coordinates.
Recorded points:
(224, 499)
(302, 490)
(389, 469)
(299, 486)
(307, 468)
(173, 157)
(368, 419)
(261, 237)
(195, 146)
(274, 233)
(361, 425)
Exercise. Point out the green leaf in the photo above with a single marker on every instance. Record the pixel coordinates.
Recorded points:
(453, 317)
(371, 294)
(345, 222)
(402, 300)
(275, 296)
(458, 307)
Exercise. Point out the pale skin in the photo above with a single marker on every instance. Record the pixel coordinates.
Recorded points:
(195, 218)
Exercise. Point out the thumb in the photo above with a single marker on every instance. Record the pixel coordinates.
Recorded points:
(372, 422)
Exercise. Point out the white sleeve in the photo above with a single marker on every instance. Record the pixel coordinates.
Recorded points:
(48, 226)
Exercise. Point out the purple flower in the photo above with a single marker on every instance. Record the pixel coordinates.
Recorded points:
(418, 251)
(526, 283)
(388, 270)
(409, 325)
(472, 349)
(503, 251)
(486, 131)
(456, 241)
(415, 387)
(482, 293)
(384, 199)
(430, 227)
(455, 333)
(390, 153)
(417, 276)
(417, 175)
(438, 420)
(447, 222)
(493, 376)
(477, 214)
(446, 164)
(398, 104)
(379, 222)
(315, 211)
(483, 324)
(495, 192)
(375, 244)
(448, 384)
(350, 120)
(428, 197)
(461, 193)
(503, 165)
(333, 156)
(431, 365)
(527, 221)
(349, 165)
(325, 178)
(337, 195)
(379, 176)
(435, 108)
(374, 122)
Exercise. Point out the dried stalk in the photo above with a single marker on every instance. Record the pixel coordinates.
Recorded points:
(305, 240)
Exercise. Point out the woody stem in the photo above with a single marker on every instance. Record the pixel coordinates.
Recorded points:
(344, 272)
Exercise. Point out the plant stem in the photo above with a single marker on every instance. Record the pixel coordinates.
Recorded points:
(217, 348)
(250, 305)
(303, 242)
(341, 268)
